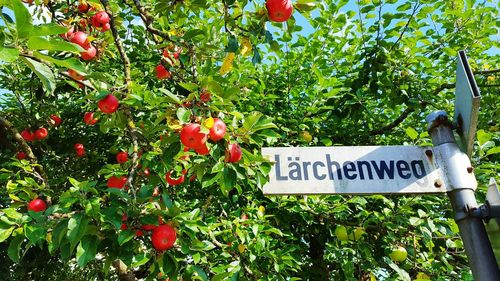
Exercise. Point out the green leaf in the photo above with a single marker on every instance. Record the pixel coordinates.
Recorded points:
(43, 72)
(229, 178)
(12, 213)
(34, 233)
(232, 45)
(483, 137)
(86, 250)
(14, 247)
(200, 272)
(48, 29)
(411, 133)
(58, 234)
(140, 259)
(125, 236)
(192, 87)
(171, 96)
(41, 43)
(77, 225)
(5, 233)
(183, 114)
(494, 150)
(9, 54)
(24, 22)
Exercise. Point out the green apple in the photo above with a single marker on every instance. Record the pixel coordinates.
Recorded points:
(398, 254)
(341, 233)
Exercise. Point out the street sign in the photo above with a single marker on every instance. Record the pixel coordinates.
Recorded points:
(467, 98)
(353, 170)
(493, 225)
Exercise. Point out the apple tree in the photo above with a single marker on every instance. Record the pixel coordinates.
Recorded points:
(130, 135)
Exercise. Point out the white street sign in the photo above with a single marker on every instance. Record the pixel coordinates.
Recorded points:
(353, 170)
(467, 98)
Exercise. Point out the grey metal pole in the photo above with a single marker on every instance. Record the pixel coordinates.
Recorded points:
(461, 182)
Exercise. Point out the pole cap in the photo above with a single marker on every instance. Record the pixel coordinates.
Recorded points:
(435, 118)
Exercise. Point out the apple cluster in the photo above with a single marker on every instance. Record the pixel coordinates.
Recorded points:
(99, 20)
(170, 55)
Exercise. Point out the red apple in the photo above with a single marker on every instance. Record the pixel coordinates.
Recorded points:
(41, 134)
(108, 104)
(88, 118)
(139, 233)
(163, 237)
(80, 38)
(79, 149)
(124, 217)
(55, 120)
(279, 10)
(37, 205)
(148, 227)
(83, 7)
(122, 157)
(146, 172)
(205, 96)
(202, 150)
(162, 72)
(28, 135)
(124, 226)
(175, 181)
(75, 75)
(192, 137)
(89, 54)
(21, 155)
(68, 34)
(105, 27)
(218, 130)
(100, 19)
(117, 182)
(233, 153)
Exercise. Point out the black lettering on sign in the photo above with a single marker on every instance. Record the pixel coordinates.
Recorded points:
(349, 167)
(383, 169)
(315, 170)
(403, 167)
(350, 170)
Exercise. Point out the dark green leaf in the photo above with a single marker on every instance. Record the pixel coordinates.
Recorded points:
(86, 250)
(77, 226)
(14, 247)
(125, 236)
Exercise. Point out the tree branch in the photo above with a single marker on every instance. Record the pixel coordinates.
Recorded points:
(407, 113)
(119, 45)
(128, 82)
(123, 273)
(486, 72)
(406, 26)
(147, 19)
(26, 148)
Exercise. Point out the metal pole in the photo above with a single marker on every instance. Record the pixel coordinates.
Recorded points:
(461, 182)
